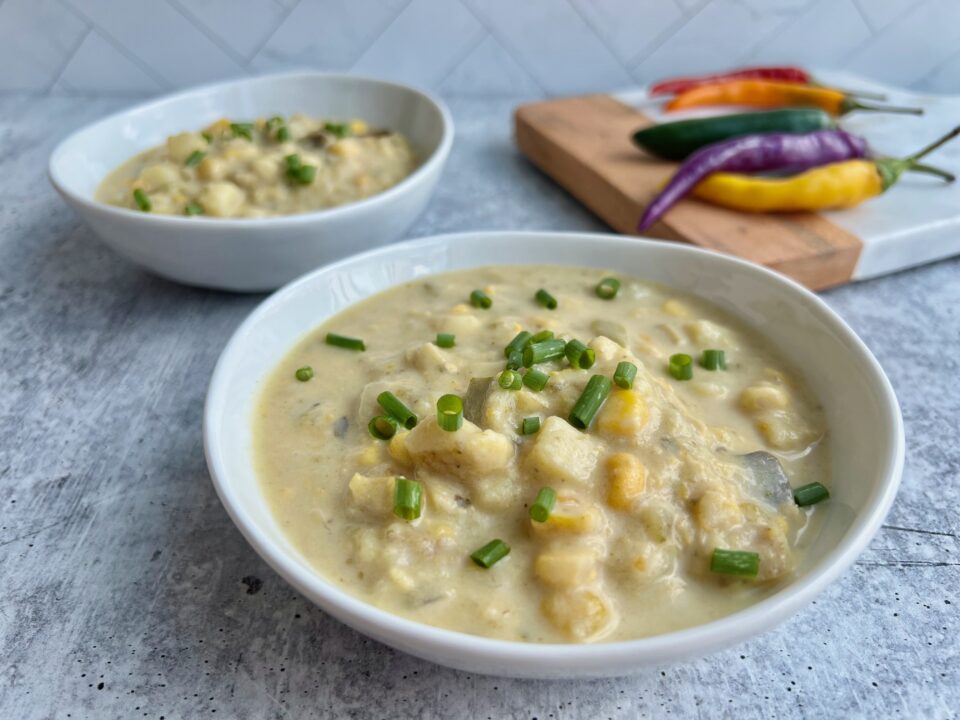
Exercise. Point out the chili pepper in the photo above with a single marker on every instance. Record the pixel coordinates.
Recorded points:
(765, 94)
(777, 73)
(754, 153)
(676, 140)
(836, 185)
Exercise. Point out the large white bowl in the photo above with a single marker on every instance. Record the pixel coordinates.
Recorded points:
(864, 423)
(253, 254)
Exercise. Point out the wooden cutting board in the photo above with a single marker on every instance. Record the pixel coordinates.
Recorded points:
(584, 144)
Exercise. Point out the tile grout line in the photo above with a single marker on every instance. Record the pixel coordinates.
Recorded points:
(601, 36)
(207, 32)
(88, 29)
(484, 34)
(287, 11)
(383, 31)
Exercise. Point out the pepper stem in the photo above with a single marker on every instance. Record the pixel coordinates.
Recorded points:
(931, 170)
(850, 104)
(933, 146)
(891, 169)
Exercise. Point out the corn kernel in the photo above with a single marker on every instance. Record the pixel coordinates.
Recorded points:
(624, 413)
(676, 308)
(763, 397)
(627, 478)
(398, 449)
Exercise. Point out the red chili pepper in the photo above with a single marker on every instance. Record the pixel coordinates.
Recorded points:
(785, 74)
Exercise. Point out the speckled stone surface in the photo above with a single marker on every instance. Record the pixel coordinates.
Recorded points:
(127, 592)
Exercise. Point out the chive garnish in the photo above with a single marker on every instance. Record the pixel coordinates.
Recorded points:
(450, 412)
(283, 134)
(341, 130)
(345, 342)
(446, 340)
(298, 172)
(713, 360)
(478, 298)
(194, 158)
(305, 373)
(546, 299)
(141, 199)
(580, 356)
(530, 425)
(810, 494)
(541, 336)
(608, 288)
(275, 121)
(244, 130)
(193, 208)
(681, 366)
(625, 374)
(383, 427)
(395, 408)
(546, 499)
(207, 136)
(517, 344)
(542, 352)
(535, 379)
(407, 498)
(515, 360)
(735, 562)
(596, 391)
(491, 553)
(510, 380)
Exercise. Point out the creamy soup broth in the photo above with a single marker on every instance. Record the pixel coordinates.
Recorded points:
(644, 495)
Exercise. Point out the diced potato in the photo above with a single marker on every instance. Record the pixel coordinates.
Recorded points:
(757, 398)
(583, 614)
(221, 199)
(784, 431)
(456, 323)
(370, 455)
(446, 497)
(607, 349)
(468, 454)
(212, 168)
(398, 449)
(715, 512)
(566, 567)
(624, 413)
(159, 176)
(676, 308)
(373, 493)
(705, 333)
(708, 389)
(428, 357)
(626, 478)
(570, 515)
(266, 168)
(561, 454)
(182, 145)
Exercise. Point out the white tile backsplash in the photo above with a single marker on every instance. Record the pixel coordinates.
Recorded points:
(522, 47)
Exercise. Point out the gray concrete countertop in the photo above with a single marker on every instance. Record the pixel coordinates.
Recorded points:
(127, 592)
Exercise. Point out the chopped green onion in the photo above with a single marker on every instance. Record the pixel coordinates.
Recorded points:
(491, 553)
(244, 130)
(580, 356)
(530, 425)
(510, 380)
(450, 412)
(625, 374)
(305, 373)
(298, 172)
(345, 342)
(446, 340)
(681, 366)
(546, 299)
(478, 298)
(193, 208)
(283, 134)
(713, 360)
(141, 199)
(194, 158)
(535, 379)
(735, 562)
(383, 427)
(293, 162)
(593, 396)
(207, 136)
(810, 494)
(608, 288)
(517, 344)
(546, 499)
(395, 408)
(515, 360)
(541, 336)
(341, 130)
(541, 352)
(275, 121)
(407, 498)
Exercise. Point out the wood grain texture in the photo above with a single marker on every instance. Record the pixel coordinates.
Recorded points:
(584, 144)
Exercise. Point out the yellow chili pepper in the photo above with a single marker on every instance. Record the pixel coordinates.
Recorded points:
(766, 94)
(836, 185)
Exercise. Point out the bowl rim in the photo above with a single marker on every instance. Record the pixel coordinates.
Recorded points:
(561, 659)
(436, 157)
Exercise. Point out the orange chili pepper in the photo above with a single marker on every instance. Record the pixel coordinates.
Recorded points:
(766, 94)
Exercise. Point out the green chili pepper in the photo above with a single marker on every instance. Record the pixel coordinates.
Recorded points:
(677, 140)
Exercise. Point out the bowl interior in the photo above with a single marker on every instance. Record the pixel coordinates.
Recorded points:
(84, 159)
(861, 410)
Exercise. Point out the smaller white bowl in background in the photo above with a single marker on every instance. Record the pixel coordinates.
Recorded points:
(254, 254)
(863, 418)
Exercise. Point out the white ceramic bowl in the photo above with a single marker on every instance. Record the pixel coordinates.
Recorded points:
(253, 254)
(861, 409)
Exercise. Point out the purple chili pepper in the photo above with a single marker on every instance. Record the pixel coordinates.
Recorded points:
(755, 153)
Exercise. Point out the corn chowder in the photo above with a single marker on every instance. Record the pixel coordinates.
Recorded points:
(276, 166)
(543, 454)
